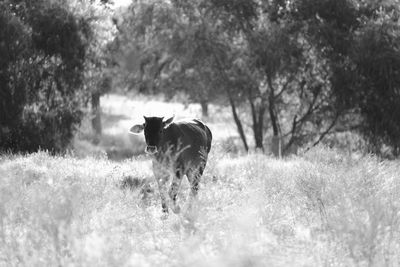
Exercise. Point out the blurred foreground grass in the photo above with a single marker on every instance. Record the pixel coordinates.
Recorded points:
(321, 209)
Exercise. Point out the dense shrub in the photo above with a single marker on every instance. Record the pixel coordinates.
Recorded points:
(42, 57)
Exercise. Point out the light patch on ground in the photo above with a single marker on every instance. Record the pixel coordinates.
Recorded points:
(120, 113)
(220, 121)
(122, 3)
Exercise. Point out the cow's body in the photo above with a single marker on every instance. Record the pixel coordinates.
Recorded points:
(178, 149)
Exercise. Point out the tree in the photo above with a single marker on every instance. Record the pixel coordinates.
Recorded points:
(280, 71)
(360, 42)
(377, 57)
(98, 63)
(231, 48)
(327, 59)
(43, 48)
(300, 68)
(163, 44)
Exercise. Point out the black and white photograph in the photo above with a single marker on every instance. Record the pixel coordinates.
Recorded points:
(200, 133)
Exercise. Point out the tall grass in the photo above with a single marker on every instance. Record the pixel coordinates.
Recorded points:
(321, 209)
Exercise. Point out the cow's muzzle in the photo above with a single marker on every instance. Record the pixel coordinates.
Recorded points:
(151, 149)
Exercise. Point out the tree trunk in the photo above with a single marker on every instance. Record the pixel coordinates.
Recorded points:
(237, 121)
(96, 117)
(260, 129)
(204, 108)
(258, 120)
(233, 106)
(276, 146)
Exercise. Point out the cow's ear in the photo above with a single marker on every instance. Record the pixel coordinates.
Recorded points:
(136, 129)
(168, 121)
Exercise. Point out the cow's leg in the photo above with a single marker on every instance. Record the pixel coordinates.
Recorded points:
(161, 177)
(163, 195)
(173, 191)
(196, 181)
(194, 176)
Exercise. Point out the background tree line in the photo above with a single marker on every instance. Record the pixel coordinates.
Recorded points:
(301, 69)
(294, 72)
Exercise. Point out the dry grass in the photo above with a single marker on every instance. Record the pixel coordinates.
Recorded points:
(322, 209)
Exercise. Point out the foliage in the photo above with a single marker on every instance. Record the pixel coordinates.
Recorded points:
(317, 63)
(299, 69)
(43, 48)
(217, 50)
(49, 75)
(278, 71)
(360, 42)
(98, 63)
(379, 68)
(166, 48)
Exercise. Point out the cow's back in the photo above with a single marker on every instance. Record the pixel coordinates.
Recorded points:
(191, 138)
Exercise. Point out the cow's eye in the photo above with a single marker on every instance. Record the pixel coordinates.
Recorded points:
(160, 131)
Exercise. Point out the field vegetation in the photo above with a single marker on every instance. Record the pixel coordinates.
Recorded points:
(323, 208)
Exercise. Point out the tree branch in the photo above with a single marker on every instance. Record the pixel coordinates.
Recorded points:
(232, 103)
(324, 133)
(284, 87)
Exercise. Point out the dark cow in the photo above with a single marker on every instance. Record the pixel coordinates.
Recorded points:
(178, 148)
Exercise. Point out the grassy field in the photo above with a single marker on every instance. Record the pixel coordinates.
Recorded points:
(323, 208)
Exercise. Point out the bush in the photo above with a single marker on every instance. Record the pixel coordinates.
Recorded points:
(42, 59)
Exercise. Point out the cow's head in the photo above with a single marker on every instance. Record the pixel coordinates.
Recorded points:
(153, 132)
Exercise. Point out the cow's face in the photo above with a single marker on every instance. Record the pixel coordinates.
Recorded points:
(153, 132)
